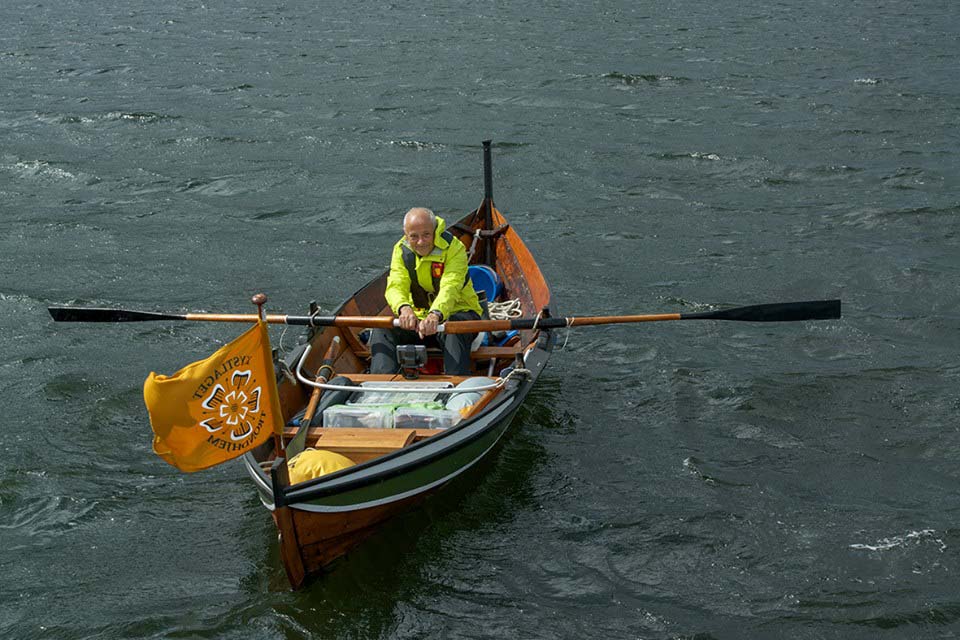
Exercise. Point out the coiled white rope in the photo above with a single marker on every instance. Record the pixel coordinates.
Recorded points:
(506, 310)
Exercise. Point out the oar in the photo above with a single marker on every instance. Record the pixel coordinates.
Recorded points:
(299, 442)
(776, 312)
(88, 314)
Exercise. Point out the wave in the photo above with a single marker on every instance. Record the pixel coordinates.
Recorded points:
(48, 172)
(42, 518)
(691, 155)
(417, 145)
(220, 186)
(140, 117)
(632, 79)
(913, 538)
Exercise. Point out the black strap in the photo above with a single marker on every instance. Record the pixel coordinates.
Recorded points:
(422, 299)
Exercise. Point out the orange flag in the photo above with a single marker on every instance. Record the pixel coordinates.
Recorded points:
(218, 408)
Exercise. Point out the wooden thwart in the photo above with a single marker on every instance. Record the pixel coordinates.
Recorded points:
(501, 353)
(362, 443)
(481, 353)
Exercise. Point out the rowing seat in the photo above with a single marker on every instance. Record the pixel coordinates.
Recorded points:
(500, 353)
(480, 353)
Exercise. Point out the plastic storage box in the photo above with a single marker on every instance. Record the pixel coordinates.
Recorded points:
(345, 415)
(415, 418)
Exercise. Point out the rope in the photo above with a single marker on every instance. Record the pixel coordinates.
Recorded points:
(280, 342)
(566, 336)
(473, 245)
(283, 333)
(506, 310)
(536, 321)
(509, 309)
(517, 371)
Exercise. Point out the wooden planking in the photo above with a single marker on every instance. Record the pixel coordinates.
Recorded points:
(290, 546)
(347, 363)
(530, 272)
(351, 308)
(369, 300)
(358, 444)
(334, 533)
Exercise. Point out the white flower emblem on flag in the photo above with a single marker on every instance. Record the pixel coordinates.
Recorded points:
(235, 408)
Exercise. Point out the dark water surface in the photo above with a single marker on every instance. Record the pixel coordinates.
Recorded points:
(677, 480)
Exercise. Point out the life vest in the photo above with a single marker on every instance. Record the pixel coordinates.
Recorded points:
(421, 297)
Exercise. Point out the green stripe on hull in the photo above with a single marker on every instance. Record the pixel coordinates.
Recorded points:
(410, 481)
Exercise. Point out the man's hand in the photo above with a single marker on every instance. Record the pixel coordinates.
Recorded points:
(428, 326)
(408, 319)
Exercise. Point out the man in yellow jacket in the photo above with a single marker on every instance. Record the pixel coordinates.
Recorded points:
(428, 284)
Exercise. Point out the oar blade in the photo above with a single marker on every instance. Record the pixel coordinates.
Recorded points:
(775, 312)
(88, 314)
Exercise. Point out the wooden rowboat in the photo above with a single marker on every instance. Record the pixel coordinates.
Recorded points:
(320, 519)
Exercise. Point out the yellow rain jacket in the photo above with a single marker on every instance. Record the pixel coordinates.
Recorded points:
(442, 282)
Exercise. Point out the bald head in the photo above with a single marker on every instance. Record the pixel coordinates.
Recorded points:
(418, 228)
(419, 216)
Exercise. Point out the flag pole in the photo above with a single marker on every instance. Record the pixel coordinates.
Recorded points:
(259, 300)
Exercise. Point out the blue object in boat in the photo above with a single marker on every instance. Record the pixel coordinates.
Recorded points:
(485, 279)
(506, 338)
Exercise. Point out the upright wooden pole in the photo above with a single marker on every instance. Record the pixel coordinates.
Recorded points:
(488, 255)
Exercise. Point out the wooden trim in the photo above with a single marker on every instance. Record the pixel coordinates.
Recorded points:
(478, 406)
(423, 434)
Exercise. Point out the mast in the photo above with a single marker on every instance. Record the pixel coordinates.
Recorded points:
(488, 254)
